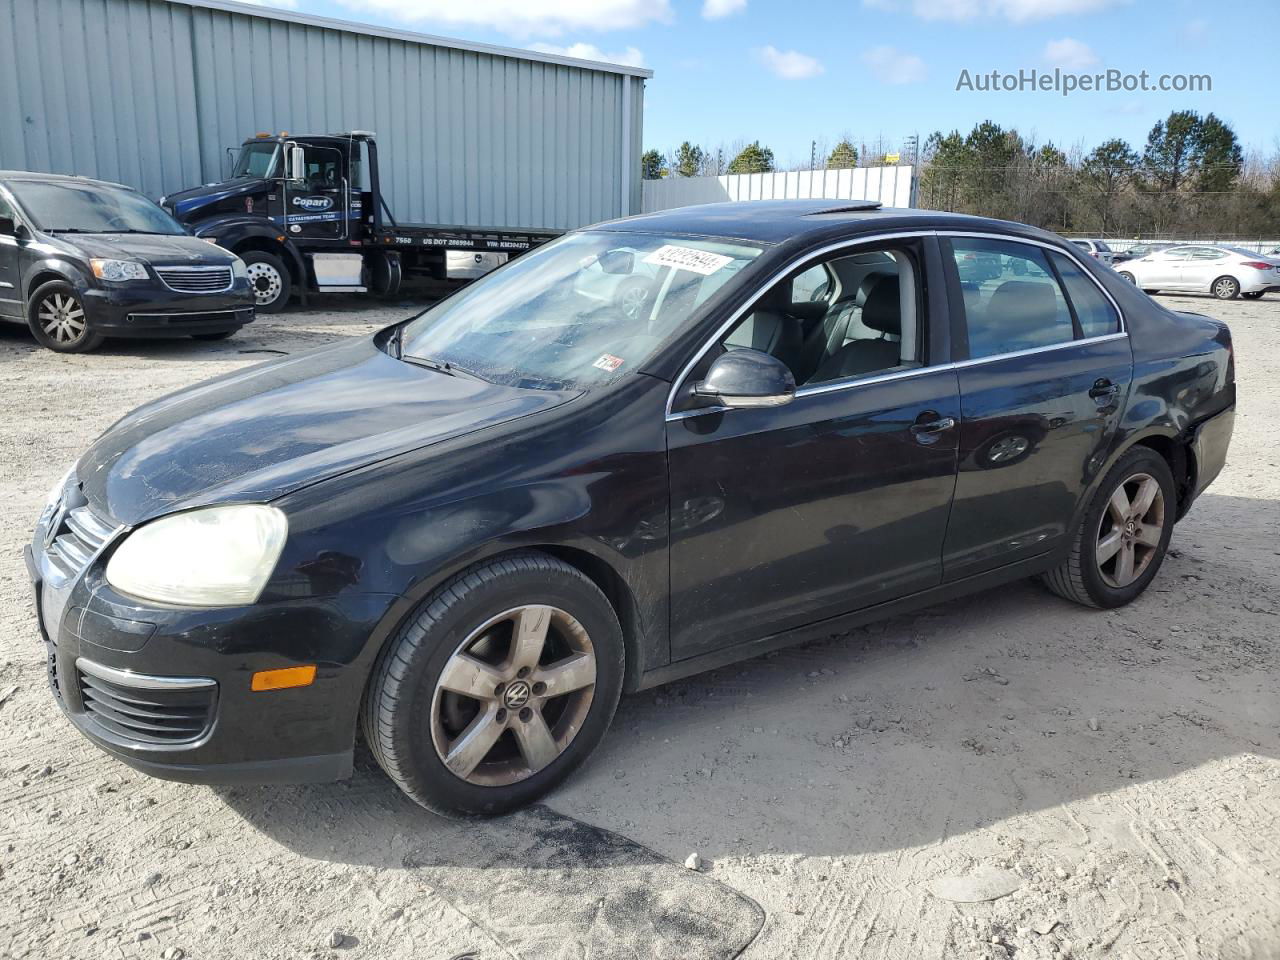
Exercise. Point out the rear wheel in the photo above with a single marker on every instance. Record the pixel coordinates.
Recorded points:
(497, 688)
(1226, 288)
(1124, 535)
(270, 280)
(57, 319)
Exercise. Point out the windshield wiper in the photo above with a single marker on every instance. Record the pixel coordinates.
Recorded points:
(440, 366)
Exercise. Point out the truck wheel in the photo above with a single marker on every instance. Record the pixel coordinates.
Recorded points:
(1124, 535)
(270, 280)
(497, 687)
(57, 319)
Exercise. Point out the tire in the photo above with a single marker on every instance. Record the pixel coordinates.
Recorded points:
(1126, 275)
(220, 335)
(1081, 577)
(57, 319)
(632, 297)
(1225, 288)
(270, 279)
(413, 723)
(1257, 295)
(1150, 291)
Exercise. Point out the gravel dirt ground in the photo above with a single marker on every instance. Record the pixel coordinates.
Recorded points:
(1102, 784)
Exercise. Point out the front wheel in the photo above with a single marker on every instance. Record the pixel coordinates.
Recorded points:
(1126, 275)
(57, 319)
(497, 688)
(1124, 535)
(1226, 288)
(270, 280)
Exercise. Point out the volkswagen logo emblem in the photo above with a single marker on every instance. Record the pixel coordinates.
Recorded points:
(516, 695)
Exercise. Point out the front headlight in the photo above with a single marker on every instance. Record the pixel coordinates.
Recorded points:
(240, 269)
(118, 271)
(55, 495)
(212, 557)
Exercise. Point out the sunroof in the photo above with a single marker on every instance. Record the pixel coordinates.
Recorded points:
(851, 207)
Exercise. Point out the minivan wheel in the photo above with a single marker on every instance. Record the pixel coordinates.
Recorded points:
(57, 319)
(1226, 288)
(269, 279)
(1124, 535)
(497, 687)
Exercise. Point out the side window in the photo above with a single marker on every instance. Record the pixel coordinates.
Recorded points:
(1177, 253)
(1011, 300)
(324, 168)
(1206, 253)
(861, 318)
(1094, 311)
(6, 211)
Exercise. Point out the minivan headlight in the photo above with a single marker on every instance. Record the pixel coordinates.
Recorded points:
(239, 268)
(118, 271)
(211, 557)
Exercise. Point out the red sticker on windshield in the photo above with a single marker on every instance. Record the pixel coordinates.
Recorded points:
(609, 363)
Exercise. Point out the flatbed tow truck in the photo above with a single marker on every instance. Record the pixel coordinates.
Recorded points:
(307, 215)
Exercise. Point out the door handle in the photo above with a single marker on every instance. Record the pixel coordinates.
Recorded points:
(931, 428)
(1103, 388)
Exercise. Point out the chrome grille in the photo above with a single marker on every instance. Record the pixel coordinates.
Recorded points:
(195, 279)
(147, 715)
(81, 535)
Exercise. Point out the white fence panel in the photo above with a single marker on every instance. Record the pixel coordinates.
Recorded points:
(890, 186)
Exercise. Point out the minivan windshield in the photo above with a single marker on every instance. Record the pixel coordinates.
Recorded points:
(578, 311)
(67, 206)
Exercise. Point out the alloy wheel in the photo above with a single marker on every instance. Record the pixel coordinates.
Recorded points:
(633, 301)
(1130, 530)
(61, 318)
(1225, 288)
(266, 282)
(513, 696)
(1007, 448)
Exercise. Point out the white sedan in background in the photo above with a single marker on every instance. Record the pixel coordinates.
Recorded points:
(1226, 272)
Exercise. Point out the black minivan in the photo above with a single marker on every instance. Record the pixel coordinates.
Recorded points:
(82, 260)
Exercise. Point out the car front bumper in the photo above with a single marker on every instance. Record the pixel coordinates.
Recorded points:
(167, 689)
(153, 310)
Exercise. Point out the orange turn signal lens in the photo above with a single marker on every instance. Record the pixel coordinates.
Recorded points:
(284, 678)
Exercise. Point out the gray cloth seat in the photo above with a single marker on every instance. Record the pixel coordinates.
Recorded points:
(882, 312)
(1020, 314)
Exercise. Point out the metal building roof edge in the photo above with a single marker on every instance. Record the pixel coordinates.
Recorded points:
(409, 36)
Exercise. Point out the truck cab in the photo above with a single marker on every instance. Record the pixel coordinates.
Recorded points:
(306, 214)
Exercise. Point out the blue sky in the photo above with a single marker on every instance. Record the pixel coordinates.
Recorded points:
(786, 73)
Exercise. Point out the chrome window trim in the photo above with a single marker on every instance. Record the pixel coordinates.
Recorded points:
(837, 385)
(141, 681)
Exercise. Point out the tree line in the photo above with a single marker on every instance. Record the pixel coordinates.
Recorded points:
(1189, 179)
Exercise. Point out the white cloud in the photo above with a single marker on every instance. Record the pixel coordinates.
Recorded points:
(1017, 11)
(1069, 54)
(523, 17)
(630, 57)
(718, 9)
(789, 64)
(891, 65)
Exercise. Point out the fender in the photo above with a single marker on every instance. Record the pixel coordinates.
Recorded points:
(231, 231)
(65, 270)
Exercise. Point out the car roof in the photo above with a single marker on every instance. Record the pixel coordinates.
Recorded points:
(777, 221)
(29, 175)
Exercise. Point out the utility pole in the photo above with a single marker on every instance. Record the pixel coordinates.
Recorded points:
(813, 154)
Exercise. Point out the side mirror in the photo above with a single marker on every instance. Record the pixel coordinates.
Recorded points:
(747, 378)
(297, 163)
(7, 227)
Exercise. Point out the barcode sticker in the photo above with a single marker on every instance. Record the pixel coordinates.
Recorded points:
(687, 258)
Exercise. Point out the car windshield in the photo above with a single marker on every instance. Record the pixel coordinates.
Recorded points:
(72, 207)
(576, 312)
(256, 160)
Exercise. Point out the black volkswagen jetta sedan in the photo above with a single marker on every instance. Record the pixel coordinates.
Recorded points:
(468, 534)
(81, 260)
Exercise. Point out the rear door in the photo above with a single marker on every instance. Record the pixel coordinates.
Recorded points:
(784, 516)
(1043, 366)
(1202, 266)
(10, 294)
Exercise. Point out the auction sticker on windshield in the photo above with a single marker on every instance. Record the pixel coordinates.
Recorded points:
(609, 363)
(687, 258)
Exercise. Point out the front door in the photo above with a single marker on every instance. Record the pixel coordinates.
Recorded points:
(838, 500)
(316, 206)
(10, 292)
(1041, 392)
(1166, 271)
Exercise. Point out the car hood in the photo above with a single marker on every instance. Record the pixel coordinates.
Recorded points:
(148, 247)
(256, 435)
(187, 204)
